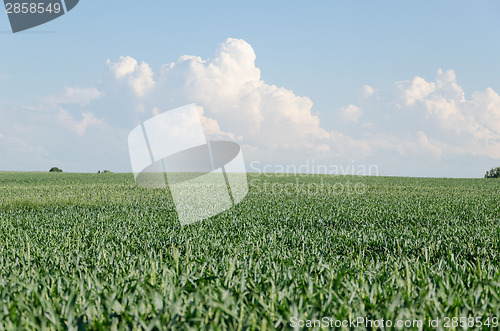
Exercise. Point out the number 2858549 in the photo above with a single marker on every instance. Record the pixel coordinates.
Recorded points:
(32, 8)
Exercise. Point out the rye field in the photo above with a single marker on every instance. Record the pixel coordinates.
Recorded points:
(95, 251)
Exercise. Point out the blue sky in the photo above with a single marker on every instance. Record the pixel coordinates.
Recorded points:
(409, 86)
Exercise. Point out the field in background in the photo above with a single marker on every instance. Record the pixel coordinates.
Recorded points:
(96, 251)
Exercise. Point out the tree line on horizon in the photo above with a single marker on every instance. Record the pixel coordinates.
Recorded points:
(105, 171)
(493, 173)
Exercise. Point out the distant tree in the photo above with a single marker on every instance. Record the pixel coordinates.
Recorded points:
(98, 171)
(55, 169)
(493, 173)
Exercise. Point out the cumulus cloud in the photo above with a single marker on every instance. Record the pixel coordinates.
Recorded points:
(474, 122)
(486, 109)
(368, 91)
(350, 113)
(235, 103)
(427, 119)
(212, 128)
(416, 90)
(138, 76)
(234, 99)
(422, 120)
(79, 127)
(429, 144)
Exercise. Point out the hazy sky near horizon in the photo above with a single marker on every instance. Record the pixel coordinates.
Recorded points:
(411, 87)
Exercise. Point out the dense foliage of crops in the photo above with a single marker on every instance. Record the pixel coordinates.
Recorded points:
(96, 251)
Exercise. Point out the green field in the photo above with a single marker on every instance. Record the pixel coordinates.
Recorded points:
(95, 251)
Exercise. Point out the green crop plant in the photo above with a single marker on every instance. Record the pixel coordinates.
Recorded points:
(98, 252)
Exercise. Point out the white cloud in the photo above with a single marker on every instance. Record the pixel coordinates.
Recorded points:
(473, 123)
(72, 95)
(368, 91)
(212, 129)
(411, 146)
(344, 146)
(235, 103)
(485, 108)
(430, 145)
(79, 127)
(126, 65)
(139, 76)
(424, 121)
(350, 113)
(235, 100)
(417, 90)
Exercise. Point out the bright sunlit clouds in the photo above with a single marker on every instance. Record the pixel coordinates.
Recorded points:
(273, 124)
(331, 82)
